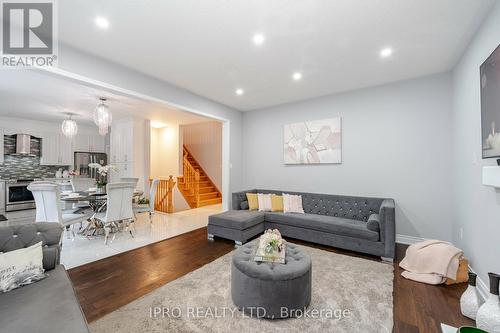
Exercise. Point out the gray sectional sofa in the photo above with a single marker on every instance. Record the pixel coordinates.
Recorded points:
(359, 224)
(49, 305)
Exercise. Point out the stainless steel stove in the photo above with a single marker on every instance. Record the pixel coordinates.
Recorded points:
(17, 195)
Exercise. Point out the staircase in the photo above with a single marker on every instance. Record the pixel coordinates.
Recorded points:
(195, 185)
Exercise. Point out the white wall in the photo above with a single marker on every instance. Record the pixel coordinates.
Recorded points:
(165, 151)
(476, 207)
(396, 144)
(204, 142)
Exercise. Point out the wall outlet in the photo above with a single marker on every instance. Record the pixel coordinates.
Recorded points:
(461, 232)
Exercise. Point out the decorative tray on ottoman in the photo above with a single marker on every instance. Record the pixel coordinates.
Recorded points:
(266, 253)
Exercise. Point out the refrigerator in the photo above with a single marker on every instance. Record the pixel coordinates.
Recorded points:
(83, 159)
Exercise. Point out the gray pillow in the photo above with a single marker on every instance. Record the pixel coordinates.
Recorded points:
(373, 223)
(244, 205)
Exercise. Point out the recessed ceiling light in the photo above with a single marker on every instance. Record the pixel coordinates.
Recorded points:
(101, 22)
(297, 76)
(386, 52)
(157, 124)
(258, 39)
(239, 92)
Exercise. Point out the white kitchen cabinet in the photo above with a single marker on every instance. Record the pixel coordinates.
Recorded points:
(65, 151)
(56, 150)
(115, 143)
(50, 149)
(97, 144)
(89, 143)
(125, 170)
(129, 150)
(122, 134)
(81, 143)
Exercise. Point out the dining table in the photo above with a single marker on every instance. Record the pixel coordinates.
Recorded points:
(97, 203)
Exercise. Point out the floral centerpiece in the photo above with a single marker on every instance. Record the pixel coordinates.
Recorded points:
(103, 171)
(271, 247)
(74, 173)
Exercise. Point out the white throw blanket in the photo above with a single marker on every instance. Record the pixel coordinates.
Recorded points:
(431, 261)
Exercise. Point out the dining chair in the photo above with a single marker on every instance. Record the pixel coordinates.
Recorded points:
(151, 207)
(118, 208)
(47, 197)
(82, 184)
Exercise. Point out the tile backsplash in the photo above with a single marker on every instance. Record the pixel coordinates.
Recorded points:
(24, 167)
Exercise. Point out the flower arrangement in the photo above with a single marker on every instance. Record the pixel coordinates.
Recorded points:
(271, 241)
(103, 173)
(143, 201)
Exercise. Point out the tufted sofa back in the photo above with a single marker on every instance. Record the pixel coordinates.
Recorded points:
(354, 208)
(20, 236)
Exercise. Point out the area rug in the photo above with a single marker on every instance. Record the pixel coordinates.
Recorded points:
(348, 295)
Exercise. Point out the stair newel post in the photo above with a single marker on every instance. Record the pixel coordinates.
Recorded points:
(170, 194)
(197, 187)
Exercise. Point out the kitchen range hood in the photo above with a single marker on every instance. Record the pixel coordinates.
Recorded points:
(23, 144)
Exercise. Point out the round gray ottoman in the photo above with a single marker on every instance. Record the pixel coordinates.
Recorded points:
(271, 290)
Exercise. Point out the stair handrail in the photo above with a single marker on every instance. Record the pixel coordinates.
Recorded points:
(191, 178)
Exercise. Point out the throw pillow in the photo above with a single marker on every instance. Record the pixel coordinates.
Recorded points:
(244, 205)
(264, 200)
(276, 203)
(292, 203)
(21, 267)
(253, 202)
(373, 223)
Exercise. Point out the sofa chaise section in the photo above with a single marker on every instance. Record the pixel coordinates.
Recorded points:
(239, 226)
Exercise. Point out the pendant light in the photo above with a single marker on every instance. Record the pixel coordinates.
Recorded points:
(69, 127)
(102, 116)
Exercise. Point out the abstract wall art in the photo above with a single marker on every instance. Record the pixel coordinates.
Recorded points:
(313, 142)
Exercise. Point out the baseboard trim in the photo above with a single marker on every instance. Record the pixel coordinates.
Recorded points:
(481, 286)
(408, 240)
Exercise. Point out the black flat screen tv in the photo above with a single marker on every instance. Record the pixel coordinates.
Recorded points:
(490, 105)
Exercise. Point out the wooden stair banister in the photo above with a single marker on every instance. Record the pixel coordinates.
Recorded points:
(165, 195)
(195, 183)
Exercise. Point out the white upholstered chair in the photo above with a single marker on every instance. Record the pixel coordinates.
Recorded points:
(48, 205)
(82, 184)
(118, 208)
(151, 207)
(79, 185)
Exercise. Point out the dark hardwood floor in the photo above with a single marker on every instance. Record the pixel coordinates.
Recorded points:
(105, 285)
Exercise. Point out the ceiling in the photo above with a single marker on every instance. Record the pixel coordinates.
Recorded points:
(206, 46)
(21, 97)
